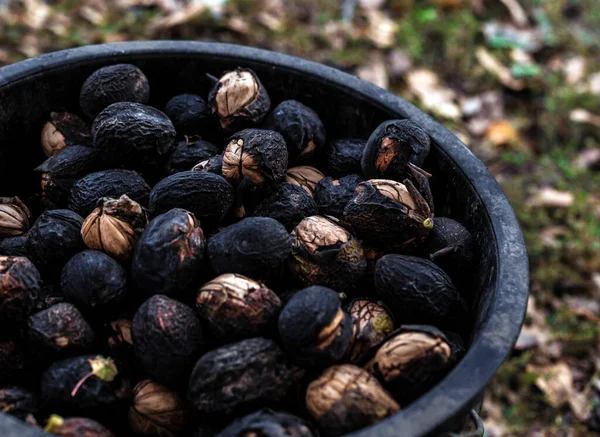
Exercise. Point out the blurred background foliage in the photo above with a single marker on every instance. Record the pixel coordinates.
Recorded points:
(517, 80)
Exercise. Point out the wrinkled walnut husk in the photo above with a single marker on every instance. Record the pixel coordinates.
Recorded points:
(346, 398)
(392, 147)
(156, 410)
(206, 195)
(59, 332)
(286, 203)
(111, 84)
(411, 361)
(167, 340)
(236, 307)
(418, 291)
(20, 285)
(169, 257)
(301, 128)
(242, 376)
(88, 190)
(332, 195)
(239, 99)
(269, 423)
(389, 217)
(257, 247)
(324, 253)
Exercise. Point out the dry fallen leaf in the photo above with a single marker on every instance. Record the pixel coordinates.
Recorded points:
(594, 83)
(550, 234)
(517, 12)
(381, 29)
(374, 70)
(426, 85)
(503, 34)
(501, 132)
(582, 116)
(492, 65)
(555, 381)
(551, 198)
(587, 159)
(574, 70)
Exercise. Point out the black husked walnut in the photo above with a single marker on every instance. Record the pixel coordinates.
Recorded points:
(239, 99)
(111, 84)
(344, 156)
(76, 427)
(189, 152)
(191, 114)
(167, 339)
(304, 176)
(450, 246)
(286, 203)
(346, 398)
(268, 423)
(389, 213)
(53, 240)
(18, 402)
(314, 328)
(214, 164)
(236, 307)
(125, 131)
(61, 171)
(169, 257)
(249, 374)
(88, 385)
(20, 285)
(324, 253)
(393, 148)
(411, 361)
(332, 195)
(14, 246)
(257, 155)
(418, 290)
(59, 332)
(372, 324)
(50, 295)
(14, 365)
(95, 283)
(206, 195)
(157, 411)
(15, 217)
(88, 190)
(64, 129)
(257, 247)
(115, 227)
(301, 128)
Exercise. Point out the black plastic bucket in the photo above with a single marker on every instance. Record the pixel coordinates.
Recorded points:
(463, 187)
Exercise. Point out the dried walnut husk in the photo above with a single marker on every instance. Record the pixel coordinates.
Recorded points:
(157, 411)
(389, 212)
(393, 149)
(236, 307)
(64, 129)
(251, 373)
(268, 423)
(346, 398)
(255, 154)
(325, 253)
(20, 285)
(15, 217)
(418, 291)
(313, 327)
(114, 227)
(411, 361)
(372, 324)
(239, 96)
(304, 176)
